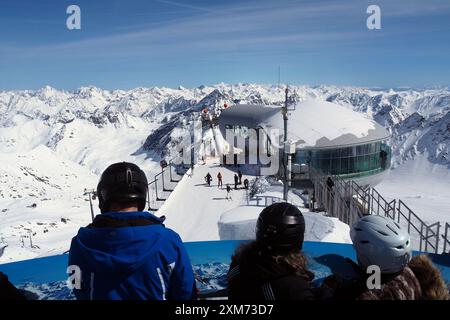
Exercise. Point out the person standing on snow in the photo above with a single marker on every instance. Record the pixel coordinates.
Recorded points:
(246, 183)
(208, 179)
(236, 181)
(228, 192)
(240, 176)
(219, 180)
(127, 253)
(272, 267)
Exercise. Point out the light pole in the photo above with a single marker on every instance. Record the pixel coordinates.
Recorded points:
(162, 177)
(163, 163)
(30, 234)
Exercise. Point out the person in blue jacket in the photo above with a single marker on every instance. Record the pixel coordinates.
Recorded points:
(127, 253)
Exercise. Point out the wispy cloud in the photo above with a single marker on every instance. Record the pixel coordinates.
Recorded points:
(257, 23)
(187, 6)
(413, 8)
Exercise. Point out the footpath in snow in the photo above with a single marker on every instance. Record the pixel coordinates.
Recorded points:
(199, 212)
(194, 208)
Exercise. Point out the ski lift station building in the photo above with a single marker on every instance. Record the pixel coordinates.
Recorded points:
(328, 137)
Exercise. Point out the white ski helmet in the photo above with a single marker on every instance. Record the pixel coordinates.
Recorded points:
(381, 241)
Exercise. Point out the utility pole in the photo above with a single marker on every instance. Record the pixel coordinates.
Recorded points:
(89, 193)
(284, 111)
(162, 176)
(148, 196)
(163, 163)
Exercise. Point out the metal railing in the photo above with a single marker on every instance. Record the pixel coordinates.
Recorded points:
(428, 235)
(255, 199)
(446, 238)
(158, 188)
(264, 201)
(345, 200)
(380, 206)
(158, 194)
(348, 201)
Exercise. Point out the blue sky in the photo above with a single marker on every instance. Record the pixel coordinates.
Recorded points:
(127, 44)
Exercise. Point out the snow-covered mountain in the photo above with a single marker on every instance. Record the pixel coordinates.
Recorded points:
(418, 119)
(54, 143)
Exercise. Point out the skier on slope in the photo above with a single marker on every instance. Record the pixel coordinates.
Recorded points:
(272, 267)
(127, 253)
(236, 181)
(382, 242)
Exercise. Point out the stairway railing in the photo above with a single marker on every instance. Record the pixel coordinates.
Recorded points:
(348, 201)
(446, 238)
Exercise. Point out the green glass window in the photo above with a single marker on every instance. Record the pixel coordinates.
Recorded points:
(344, 166)
(336, 166)
(345, 152)
(356, 160)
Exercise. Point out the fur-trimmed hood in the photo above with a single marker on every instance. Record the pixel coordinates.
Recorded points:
(431, 282)
(420, 280)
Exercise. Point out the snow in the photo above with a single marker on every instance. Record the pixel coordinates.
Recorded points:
(423, 186)
(239, 224)
(316, 123)
(199, 212)
(42, 199)
(194, 208)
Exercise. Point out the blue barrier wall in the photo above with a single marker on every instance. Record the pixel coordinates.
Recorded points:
(210, 260)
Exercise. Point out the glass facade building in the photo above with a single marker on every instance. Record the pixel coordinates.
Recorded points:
(351, 161)
(348, 162)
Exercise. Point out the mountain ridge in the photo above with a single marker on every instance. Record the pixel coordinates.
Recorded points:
(57, 109)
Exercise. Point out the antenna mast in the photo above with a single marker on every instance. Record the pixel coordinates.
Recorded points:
(279, 75)
(284, 111)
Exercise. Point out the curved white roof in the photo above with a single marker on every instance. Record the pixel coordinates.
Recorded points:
(313, 123)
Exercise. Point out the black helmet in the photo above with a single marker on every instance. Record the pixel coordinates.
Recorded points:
(280, 228)
(122, 182)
